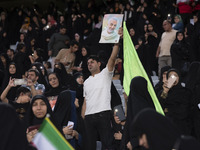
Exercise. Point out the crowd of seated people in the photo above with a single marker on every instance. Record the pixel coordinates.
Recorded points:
(44, 63)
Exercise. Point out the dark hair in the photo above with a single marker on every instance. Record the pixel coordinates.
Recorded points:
(23, 90)
(63, 27)
(94, 57)
(12, 50)
(20, 46)
(73, 42)
(36, 72)
(39, 51)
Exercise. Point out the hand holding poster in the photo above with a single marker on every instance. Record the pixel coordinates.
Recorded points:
(111, 25)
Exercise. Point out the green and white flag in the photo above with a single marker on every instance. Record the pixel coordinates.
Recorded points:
(133, 67)
(49, 138)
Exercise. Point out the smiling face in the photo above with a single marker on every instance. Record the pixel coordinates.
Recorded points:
(53, 80)
(111, 25)
(39, 108)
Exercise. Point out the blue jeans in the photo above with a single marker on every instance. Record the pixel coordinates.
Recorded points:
(99, 126)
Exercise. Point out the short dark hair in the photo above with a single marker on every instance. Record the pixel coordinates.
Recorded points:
(23, 90)
(20, 46)
(63, 27)
(73, 42)
(36, 72)
(94, 57)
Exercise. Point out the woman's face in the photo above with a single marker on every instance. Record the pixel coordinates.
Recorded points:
(12, 69)
(150, 27)
(132, 32)
(143, 141)
(176, 19)
(180, 36)
(84, 51)
(39, 108)
(80, 80)
(53, 80)
(176, 75)
(21, 36)
(164, 75)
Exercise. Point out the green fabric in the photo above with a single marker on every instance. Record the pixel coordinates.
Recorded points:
(54, 136)
(133, 67)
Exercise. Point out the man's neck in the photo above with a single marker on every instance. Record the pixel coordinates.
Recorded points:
(93, 74)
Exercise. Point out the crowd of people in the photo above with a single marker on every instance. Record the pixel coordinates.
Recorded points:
(51, 62)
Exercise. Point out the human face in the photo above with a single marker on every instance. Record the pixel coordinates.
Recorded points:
(80, 80)
(132, 32)
(39, 108)
(93, 66)
(63, 31)
(143, 141)
(176, 19)
(176, 75)
(22, 37)
(77, 37)
(150, 27)
(74, 48)
(180, 36)
(9, 53)
(84, 51)
(166, 26)
(111, 25)
(164, 76)
(195, 19)
(12, 69)
(53, 80)
(32, 76)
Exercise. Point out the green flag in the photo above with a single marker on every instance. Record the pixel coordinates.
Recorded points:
(133, 67)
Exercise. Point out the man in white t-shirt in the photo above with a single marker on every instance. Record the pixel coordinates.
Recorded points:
(96, 109)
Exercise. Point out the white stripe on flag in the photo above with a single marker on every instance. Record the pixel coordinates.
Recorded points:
(42, 143)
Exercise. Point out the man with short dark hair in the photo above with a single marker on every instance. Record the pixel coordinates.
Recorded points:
(67, 57)
(32, 84)
(21, 59)
(57, 42)
(96, 109)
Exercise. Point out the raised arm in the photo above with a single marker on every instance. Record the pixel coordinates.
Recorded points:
(113, 57)
(7, 89)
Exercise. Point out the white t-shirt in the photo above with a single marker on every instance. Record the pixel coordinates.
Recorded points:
(97, 92)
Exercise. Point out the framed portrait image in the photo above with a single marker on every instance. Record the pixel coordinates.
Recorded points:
(110, 27)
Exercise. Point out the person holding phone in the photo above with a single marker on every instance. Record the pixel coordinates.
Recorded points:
(175, 101)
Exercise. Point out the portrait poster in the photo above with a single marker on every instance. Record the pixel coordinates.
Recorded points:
(110, 27)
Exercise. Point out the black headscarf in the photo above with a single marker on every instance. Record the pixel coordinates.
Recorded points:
(31, 119)
(139, 98)
(57, 90)
(186, 143)
(161, 133)
(12, 131)
(64, 76)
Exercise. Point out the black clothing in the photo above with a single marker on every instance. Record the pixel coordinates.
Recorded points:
(158, 86)
(139, 98)
(193, 83)
(180, 53)
(21, 108)
(12, 131)
(161, 133)
(31, 119)
(177, 105)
